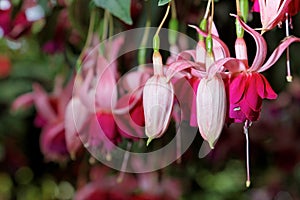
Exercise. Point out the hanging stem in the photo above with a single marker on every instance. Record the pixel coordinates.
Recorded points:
(174, 13)
(246, 127)
(124, 163)
(88, 39)
(211, 16)
(156, 41)
(207, 10)
(105, 25)
(142, 50)
(289, 77)
(163, 20)
(238, 8)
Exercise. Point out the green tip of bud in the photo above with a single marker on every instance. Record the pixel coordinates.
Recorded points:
(211, 145)
(203, 27)
(156, 43)
(248, 183)
(209, 44)
(149, 140)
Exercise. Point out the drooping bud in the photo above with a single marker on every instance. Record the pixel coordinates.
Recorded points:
(211, 108)
(158, 97)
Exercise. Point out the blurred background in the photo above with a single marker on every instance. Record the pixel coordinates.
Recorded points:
(38, 48)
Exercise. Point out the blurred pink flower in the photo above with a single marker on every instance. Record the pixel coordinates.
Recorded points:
(29, 13)
(50, 117)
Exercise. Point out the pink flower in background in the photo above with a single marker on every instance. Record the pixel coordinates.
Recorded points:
(29, 13)
(5, 17)
(129, 112)
(50, 117)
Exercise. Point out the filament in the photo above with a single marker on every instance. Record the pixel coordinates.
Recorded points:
(289, 77)
(246, 127)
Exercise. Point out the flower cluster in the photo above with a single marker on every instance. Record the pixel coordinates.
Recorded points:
(101, 109)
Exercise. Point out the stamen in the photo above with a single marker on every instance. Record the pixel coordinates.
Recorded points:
(246, 127)
(124, 163)
(289, 77)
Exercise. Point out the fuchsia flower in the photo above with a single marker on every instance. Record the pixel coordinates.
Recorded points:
(209, 103)
(158, 97)
(50, 117)
(273, 12)
(247, 87)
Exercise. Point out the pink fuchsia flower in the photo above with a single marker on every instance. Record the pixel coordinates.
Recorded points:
(158, 97)
(191, 64)
(50, 116)
(272, 12)
(246, 86)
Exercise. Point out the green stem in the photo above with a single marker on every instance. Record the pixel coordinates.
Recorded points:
(156, 37)
(88, 39)
(142, 50)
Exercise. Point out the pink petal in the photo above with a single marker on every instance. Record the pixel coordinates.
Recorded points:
(186, 55)
(86, 94)
(52, 142)
(178, 66)
(107, 125)
(250, 114)
(76, 117)
(158, 97)
(222, 49)
(236, 113)
(23, 101)
(232, 64)
(268, 91)
(106, 91)
(42, 103)
(255, 7)
(272, 12)
(131, 124)
(252, 98)
(261, 46)
(277, 52)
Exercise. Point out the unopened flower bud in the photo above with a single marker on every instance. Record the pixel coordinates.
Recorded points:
(211, 108)
(158, 97)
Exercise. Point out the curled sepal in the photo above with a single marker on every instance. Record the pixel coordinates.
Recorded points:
(211, 108)
(158, 97)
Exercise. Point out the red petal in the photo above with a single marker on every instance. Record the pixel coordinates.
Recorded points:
(237, 88)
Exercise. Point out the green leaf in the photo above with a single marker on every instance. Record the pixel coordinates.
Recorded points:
(163, 2)
(118, 8)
